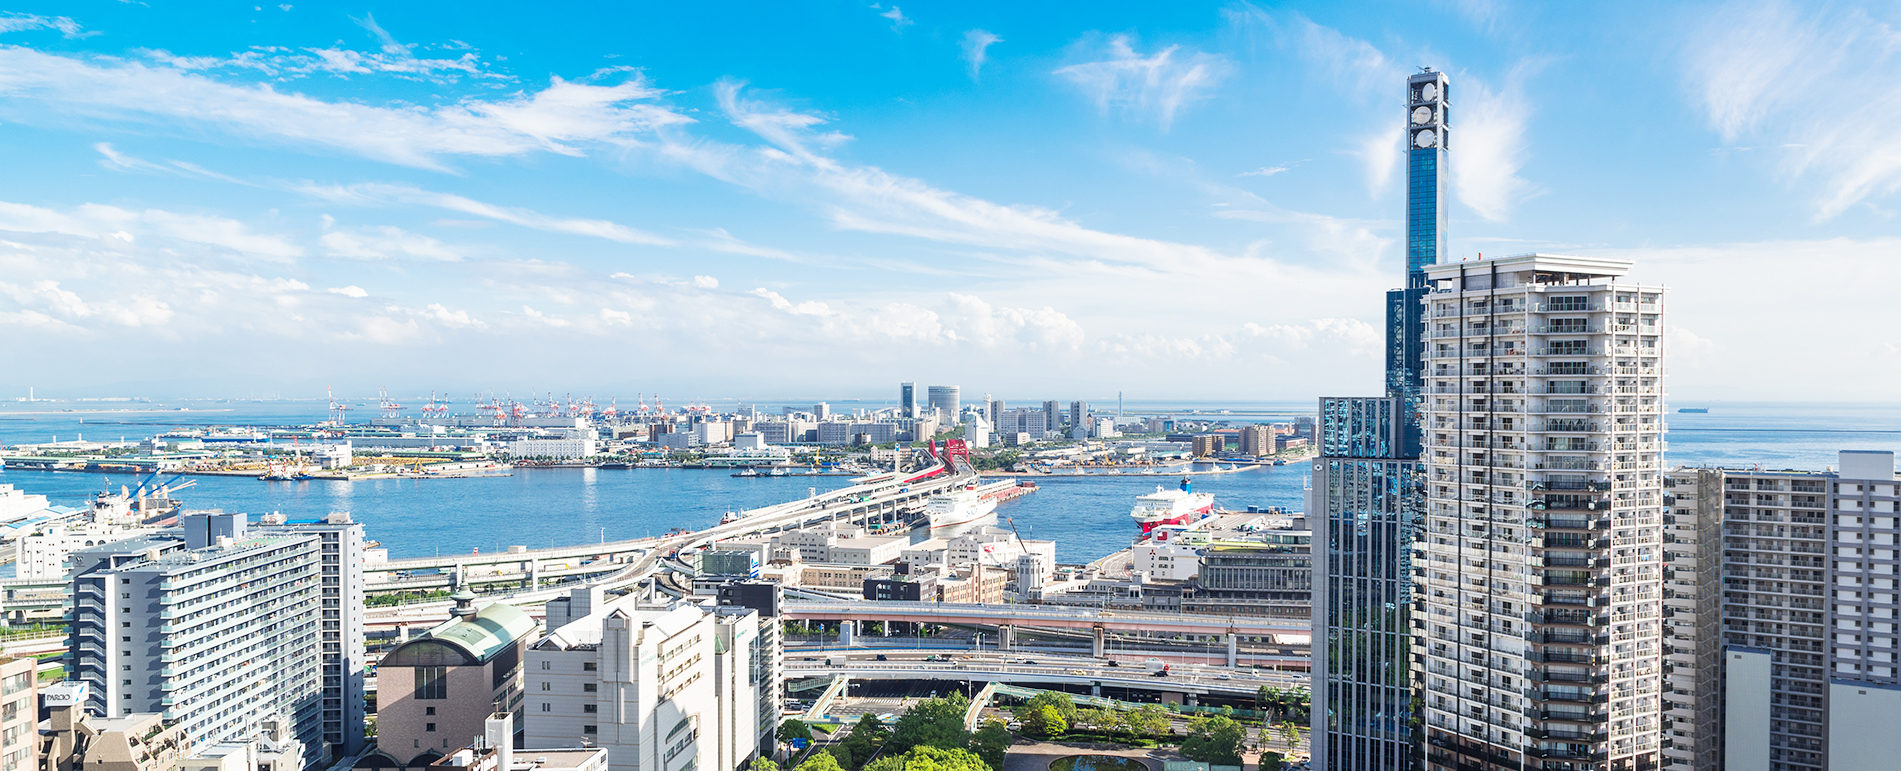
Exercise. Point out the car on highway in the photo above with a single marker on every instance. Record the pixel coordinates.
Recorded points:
(882, 657)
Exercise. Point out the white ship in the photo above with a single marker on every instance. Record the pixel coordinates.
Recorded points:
(959, 511)
(1171, 507)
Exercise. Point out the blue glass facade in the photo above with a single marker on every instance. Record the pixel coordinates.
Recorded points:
(1369, 497)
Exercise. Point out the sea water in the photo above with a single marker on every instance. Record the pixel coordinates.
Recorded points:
(1088, 516)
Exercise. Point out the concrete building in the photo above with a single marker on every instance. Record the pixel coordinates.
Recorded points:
(650, 684)
(216, 627)
(1033, 422)
(1208, 445)
(564, 448)
(47, 554)
(1257, 440)
(494, 750)
(1166, 560)
(1052, 417)
(1693, 619)
(944, 399)
(19, 713)
(340, 621)
(1541, 566)
(435, 691)
(75, 740)
(1079, 420)
(1272, 577)
(1810, 674)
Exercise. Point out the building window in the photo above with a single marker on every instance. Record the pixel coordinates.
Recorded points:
(547, 686)
(429, 727)
(587, 666)
(429, 710)
(544, 666)
(588, 729)
(432, 683)
(589, 687)
(546, 707)
(589, 708)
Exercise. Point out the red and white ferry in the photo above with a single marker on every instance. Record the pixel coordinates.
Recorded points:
(1171, 507)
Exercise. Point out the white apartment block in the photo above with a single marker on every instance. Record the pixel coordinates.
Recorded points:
(47, 555)
(1539, 614)
(218, 630)
(1810, 613)
(652, 685)
(568, 448)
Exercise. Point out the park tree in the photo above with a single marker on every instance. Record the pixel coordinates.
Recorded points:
(821, 761)
(794, 728)
(1150, 720)
(1215, 741)
(925, 758)
(991, 742)
(935, 722)
(762, 763)
(1043, 721)
(866, 736)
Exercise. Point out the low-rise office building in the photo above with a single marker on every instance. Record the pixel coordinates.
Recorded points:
(435, 691)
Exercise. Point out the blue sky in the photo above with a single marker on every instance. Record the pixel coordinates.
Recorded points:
(1174, 200)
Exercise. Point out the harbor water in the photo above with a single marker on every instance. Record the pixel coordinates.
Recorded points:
(1087, 516)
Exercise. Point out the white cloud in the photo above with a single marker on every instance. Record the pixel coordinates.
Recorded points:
(563, 118)
(113, 225)
(1266, 171)
(706, 282)
(18, 22)
(1818, 80)
(898, 20)
(977, 45)
(368, 194)
(1488, 145)
(1156, 86)
(385, 242)
(352, 291)
(1379, 154)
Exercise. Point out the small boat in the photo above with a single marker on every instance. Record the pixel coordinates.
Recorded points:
(1279, 462)
(1694, 410)
(747, 474)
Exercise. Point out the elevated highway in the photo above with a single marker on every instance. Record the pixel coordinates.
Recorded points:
(1279, 631)
(1072, 672)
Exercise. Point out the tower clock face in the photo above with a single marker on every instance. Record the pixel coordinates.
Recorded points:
(1429, 92)
(1422, 115)
(1425, 139)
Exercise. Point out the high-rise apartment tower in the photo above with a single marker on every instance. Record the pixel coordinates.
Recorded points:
(1540, 569)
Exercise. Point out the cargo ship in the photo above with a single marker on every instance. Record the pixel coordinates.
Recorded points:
(1171, 507)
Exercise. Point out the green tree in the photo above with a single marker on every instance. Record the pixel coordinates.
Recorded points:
(866, 736)
(1215, 741)
(794, 728)
(1043, 722)
(822, 761)
(930, 759)
(1150, 720)
(1112, 721)
(762, 763)
(1290, 732)
(1064, 706)
(991, 743)
(935, 722)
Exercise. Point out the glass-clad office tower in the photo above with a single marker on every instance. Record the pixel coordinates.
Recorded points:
(1367, 494)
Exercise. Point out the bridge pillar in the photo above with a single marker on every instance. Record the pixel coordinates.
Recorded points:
(1097, 642)
(1007, 637)
(847, 633)
(1095, 689)
(1234, 641)
(1190, 699)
